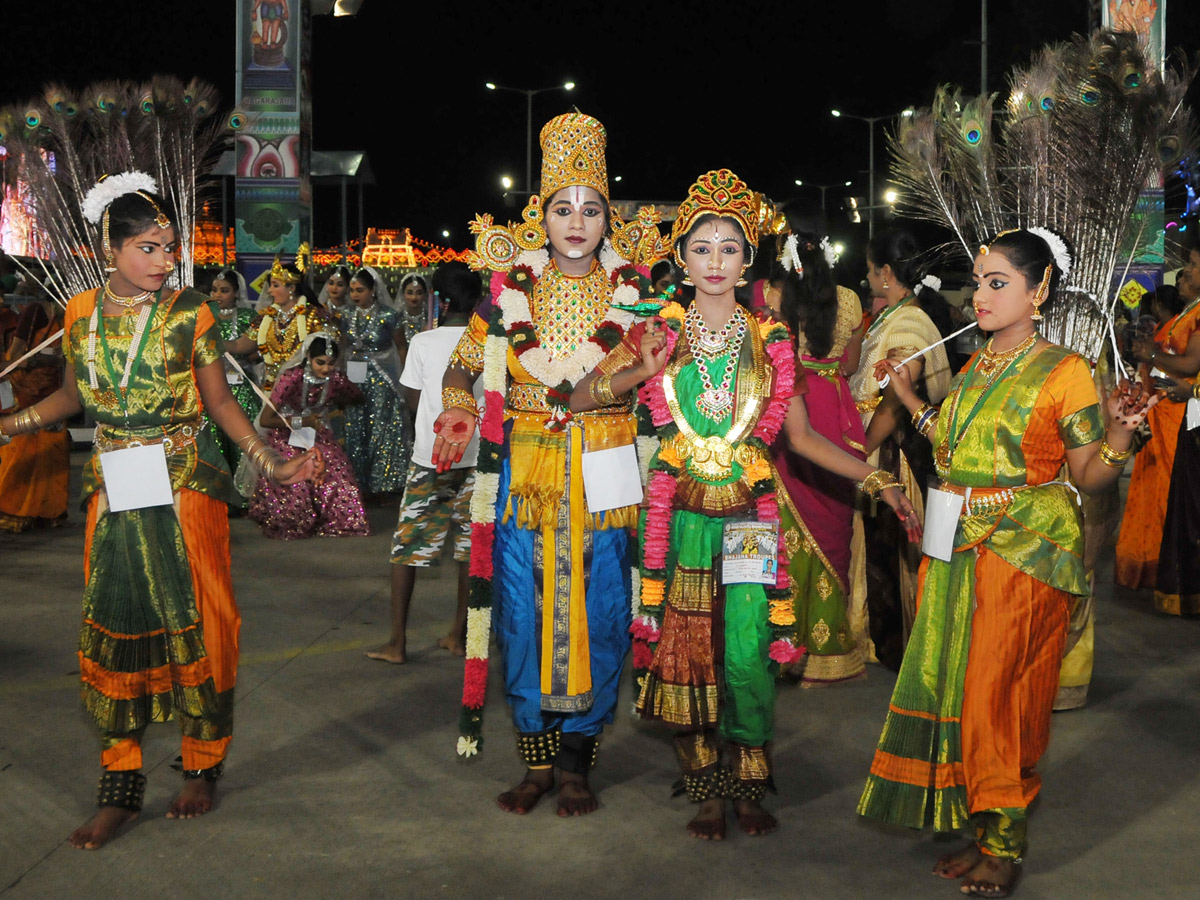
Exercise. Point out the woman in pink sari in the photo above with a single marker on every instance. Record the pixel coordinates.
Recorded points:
(816, 506)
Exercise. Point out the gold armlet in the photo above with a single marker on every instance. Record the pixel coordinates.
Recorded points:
(457, 398)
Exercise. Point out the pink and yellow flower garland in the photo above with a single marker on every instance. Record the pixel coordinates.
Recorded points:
(656, 527)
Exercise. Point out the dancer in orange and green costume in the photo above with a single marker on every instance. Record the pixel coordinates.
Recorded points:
(970, 714)
(160, 626)
(719, 386)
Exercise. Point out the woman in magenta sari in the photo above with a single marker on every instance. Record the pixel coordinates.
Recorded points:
(817, 506)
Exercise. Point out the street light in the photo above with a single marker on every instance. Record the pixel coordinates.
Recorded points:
(871, 120)
(565, 86)
(506, 182)
(822, 188)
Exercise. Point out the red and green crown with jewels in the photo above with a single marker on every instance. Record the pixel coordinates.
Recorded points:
(721, 193)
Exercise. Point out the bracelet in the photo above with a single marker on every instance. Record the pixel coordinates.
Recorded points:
(924, 418)
(1196, 389)
(1114, 458)
(5, 437)
(877, 482)
(457, 398)
(27, 421)
(296, 421)
(601, 392)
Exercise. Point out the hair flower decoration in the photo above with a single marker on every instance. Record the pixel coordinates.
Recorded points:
(110, 187)
(831, 255)
(1058, 247)
(790, 260)
(930, 281)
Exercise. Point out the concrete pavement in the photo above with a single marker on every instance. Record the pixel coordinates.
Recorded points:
(342, 779)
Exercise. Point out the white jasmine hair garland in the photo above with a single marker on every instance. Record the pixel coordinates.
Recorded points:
(110, 187)
(1058, 248)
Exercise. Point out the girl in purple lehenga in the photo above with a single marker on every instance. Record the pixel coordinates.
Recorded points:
(305, 395)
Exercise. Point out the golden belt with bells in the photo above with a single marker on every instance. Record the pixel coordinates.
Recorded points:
(713, 457)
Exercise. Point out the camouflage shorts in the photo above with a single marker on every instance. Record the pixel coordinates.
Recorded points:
(433, 505)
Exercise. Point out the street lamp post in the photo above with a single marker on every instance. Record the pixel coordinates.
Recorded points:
(566, 86)
(822, 188)
(870, 120)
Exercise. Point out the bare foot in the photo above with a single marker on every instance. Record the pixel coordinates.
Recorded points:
(99, 829)
(753, 819)
(958, 864)
(575, 798)
(991, 877)
(389, 653)
(195, 799)
(709, 822)
(524, 797)
(452, 643)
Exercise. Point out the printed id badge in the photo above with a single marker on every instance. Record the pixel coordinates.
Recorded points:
(136, 477)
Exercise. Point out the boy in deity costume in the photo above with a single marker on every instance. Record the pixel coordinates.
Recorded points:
(554, 565)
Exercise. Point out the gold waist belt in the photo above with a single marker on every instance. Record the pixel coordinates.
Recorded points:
(174, 438)
(985, 501)
(532, 398)
(866, 406)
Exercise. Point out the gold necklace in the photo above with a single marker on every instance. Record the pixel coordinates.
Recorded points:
(127, 302)
(992, 363)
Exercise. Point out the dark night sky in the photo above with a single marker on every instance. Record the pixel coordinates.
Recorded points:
(681, 87)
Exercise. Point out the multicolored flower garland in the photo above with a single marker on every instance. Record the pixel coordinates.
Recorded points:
(655, 418)
(511, 324)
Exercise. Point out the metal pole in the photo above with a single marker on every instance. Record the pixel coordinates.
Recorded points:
(983, 42)
(823, 189)
(871, 181)
(529, 141)
(224, 222)
(345, 223)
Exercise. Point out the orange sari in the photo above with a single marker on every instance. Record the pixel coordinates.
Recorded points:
(1146, 504)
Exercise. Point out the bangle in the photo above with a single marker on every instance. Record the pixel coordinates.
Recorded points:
(5, 437)
(924, 418)
(1114, 458)
(601, 392)
(27, 421)
(877, 482)
(1196, 389)
(457, 398)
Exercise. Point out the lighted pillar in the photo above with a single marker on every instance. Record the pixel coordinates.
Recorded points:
(272, 194)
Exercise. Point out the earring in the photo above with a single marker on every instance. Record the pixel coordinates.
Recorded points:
(688, 281)
(1040, 296)
(170, 267)
(741, 282)
(110, 264)
(886, 285)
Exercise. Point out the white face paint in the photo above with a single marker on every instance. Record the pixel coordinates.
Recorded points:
(574, 254)
(577, 197)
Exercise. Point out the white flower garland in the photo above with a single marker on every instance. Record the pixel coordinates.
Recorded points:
(479, 630)
(791, 256)
(831, 255)
(929, 281)
(105, 192)
(1058, 248)
(537, 361)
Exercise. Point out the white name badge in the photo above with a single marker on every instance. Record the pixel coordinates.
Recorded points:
(233, 376)
(6, 395)
(303, 437)
(942, 509)
(136, 477)
(356, 371)
(611, 478)
(1193, 414)
(750, 553)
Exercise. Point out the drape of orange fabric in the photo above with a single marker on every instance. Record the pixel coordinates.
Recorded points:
(205, 524)
(1018, 632)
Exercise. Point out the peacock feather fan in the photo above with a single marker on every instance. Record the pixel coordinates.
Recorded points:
(1085, 128)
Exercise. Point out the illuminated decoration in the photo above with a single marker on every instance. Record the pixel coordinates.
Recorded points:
(389, 249)
(19, 231)
(207, 246)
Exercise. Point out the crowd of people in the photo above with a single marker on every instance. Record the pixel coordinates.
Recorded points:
(681, 463)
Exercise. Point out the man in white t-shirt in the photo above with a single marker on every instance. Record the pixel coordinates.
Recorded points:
(434, 504)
